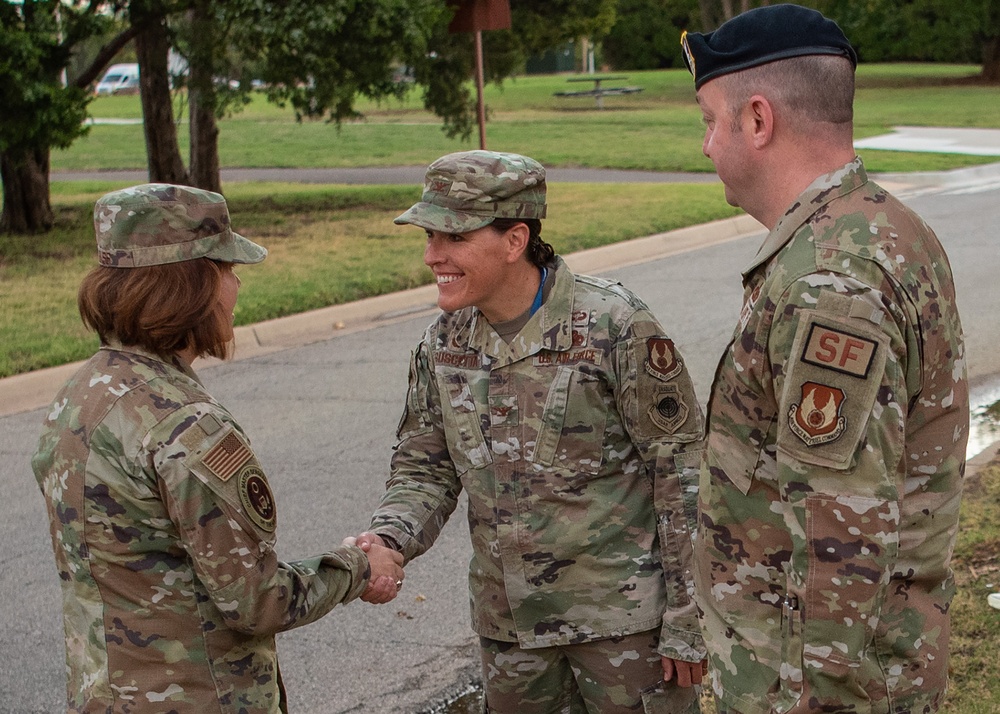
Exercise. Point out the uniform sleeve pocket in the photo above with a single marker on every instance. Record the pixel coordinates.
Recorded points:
(834, 375)
(415, 419)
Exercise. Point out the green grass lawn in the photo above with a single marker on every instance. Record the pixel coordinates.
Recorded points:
(657, 129)
(335, 244)
(328, 245)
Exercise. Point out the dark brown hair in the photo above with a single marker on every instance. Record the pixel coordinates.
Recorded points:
(540, 253)
(161, 308)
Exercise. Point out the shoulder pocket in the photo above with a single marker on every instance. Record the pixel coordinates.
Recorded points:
(415, 419)
(834, 375)
(223, 461)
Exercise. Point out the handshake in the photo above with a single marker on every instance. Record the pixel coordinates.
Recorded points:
(386, 566)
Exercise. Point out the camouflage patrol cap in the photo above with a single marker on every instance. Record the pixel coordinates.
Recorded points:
(470, 189)
(157, 223)
(764, 34)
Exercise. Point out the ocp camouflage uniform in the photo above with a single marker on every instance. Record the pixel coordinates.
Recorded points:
(836, 446)
(567, 441)
(163, 526)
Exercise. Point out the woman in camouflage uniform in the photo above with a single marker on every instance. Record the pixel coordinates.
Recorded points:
(559, 405)
(162, 520)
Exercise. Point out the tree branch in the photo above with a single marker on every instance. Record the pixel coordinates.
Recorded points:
(104, 56)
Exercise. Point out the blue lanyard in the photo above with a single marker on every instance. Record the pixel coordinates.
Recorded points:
(538, 296)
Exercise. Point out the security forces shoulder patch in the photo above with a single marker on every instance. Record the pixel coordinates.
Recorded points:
(832, 379)
(839, 350)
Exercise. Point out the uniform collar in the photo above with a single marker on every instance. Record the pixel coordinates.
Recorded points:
(819, 193)
(171, 362)
(551, 328)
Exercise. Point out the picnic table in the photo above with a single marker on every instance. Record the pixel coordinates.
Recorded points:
(599, 92)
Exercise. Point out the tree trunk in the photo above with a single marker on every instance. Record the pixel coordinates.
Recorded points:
(163, 153)
(26, 206)
(202, 99)
(991, 60)
(204, 142)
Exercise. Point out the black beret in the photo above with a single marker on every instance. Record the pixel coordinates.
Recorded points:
(762, 35)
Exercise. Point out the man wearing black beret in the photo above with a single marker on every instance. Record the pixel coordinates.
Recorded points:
(838, 420)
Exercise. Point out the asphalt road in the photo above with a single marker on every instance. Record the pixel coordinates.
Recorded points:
(322, 418)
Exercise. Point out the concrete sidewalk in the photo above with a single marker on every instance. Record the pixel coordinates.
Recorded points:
(976, 142)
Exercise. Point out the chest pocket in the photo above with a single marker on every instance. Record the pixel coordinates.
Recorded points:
(571, 430)
(463, 423)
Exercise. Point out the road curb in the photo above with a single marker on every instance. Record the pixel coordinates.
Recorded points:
(34, 390)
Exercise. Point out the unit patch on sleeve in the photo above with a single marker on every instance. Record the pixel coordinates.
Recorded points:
(816, 419)
(832, 376)
(669, 410)
(662, 360)
(839, 351)
(226, 457)
(256, 497)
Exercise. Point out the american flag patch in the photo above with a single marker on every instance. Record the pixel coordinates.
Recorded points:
(225, 458)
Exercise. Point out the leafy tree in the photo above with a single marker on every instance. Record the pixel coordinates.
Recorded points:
(319, 56)
(37, 38)
(316, 55)
(647, 33)
(898, 30)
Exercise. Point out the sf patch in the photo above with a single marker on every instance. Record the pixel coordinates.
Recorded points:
(817, 418)
(256, 497)
(835, 369)
(662, 361)
(839, 350)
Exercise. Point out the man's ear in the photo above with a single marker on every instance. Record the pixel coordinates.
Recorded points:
(760, 116)
(517, 237)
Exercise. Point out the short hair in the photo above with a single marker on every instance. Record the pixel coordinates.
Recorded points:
(160, 308)
(540, 253)
(814, 88)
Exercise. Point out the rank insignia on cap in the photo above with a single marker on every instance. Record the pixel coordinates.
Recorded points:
(669, 410)
(255, 495)
(688, 57)
(816, 419)
(225, 458)
(662, 361)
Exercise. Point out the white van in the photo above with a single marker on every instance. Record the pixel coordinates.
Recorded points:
(119, 79)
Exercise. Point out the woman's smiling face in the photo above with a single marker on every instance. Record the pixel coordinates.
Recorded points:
(471, 269)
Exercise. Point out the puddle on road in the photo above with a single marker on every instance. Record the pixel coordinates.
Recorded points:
(468, 702)
(984, 427)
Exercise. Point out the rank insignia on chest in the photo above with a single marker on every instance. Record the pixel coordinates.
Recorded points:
(816, 419)
(581, 327)
(226, 457)
(661, 361)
